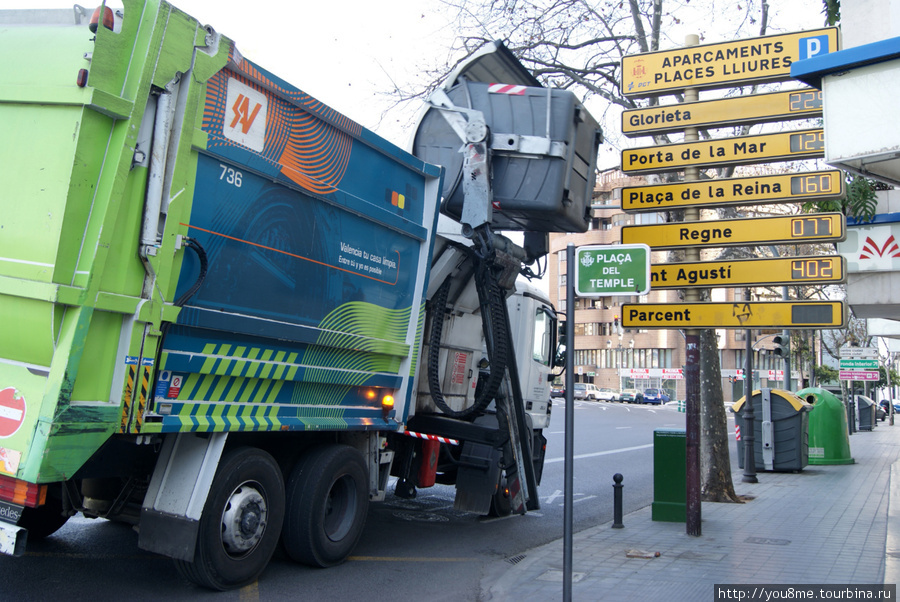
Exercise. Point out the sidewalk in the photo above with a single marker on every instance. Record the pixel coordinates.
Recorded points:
(826, 524)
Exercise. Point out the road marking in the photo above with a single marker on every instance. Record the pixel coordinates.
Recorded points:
(553, 496)
(619, 428)
(602, 453)
(583, 499)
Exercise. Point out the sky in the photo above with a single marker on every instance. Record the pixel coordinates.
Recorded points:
(350, 54)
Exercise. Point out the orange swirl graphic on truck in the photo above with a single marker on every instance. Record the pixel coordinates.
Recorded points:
(284, 127)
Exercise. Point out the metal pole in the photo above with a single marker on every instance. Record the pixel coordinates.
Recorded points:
(787, 356)
(617, 501)
(692, 350)
(747, 435)
(570, 423)
(785, 296)
(887, 375)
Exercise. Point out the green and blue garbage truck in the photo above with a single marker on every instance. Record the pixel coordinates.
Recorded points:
(233, 316)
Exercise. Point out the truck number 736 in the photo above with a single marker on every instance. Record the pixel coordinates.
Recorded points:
(230, 175)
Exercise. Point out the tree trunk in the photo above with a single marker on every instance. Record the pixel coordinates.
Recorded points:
(715, 462)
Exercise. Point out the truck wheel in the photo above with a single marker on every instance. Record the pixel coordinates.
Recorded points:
(327, 500)
(501, 504)
(241, 521)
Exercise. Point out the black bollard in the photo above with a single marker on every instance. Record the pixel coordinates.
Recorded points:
(617, 501)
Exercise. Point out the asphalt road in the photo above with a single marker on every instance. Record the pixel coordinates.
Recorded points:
(410, 548)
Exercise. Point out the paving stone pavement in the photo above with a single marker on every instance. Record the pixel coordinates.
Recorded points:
(829, 524)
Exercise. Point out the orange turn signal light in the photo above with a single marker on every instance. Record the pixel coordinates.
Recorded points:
(387, 406)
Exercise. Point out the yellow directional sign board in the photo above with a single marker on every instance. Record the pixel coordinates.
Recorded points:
(796, 187)
(791, 229)
(740, 315)
(724, 64)
(742, 150)
(819, 269)
(725, 112)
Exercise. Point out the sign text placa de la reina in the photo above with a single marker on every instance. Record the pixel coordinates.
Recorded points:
(725, 64)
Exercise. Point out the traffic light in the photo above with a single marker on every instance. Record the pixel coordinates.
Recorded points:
(616, 322)
(782, 345)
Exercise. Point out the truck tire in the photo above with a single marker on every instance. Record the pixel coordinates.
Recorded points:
(327, 501)
(241, 521)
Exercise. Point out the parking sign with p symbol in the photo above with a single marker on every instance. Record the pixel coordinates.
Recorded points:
(813, 46)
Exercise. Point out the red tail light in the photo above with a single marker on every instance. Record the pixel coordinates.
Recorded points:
(22, 493)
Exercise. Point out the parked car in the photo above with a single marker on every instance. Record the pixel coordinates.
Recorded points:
(586, 391)
(880, 411)
(657, 396)
(606, 394)
(557, 391)
(631, 396)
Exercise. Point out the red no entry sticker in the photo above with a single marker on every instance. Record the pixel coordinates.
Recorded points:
(12, 412)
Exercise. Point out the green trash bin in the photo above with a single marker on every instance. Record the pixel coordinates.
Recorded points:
(780, 430)
(669, 476)
(829, 439)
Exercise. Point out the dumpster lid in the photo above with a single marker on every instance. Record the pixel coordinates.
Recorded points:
(797, 403)
(492, 63)
(868, 401)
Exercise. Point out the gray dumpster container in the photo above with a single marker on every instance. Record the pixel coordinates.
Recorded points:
(547, 190)
(866, 409)
(780, 430)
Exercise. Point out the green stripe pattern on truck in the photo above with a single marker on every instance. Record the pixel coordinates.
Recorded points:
(316, 388)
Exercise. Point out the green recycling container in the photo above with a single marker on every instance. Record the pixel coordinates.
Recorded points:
(829, 441)
(669, 476)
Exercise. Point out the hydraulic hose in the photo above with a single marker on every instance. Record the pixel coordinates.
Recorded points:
(497, 340)
(197, 248)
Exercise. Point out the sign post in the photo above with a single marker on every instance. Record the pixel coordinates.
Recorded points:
(605, 270)
(757, 190)
(859, 363)
(816, 269)
(757, 108)
(723, 65)
(689, 69)
(735, 315)
(743, 150)
(790, 229)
